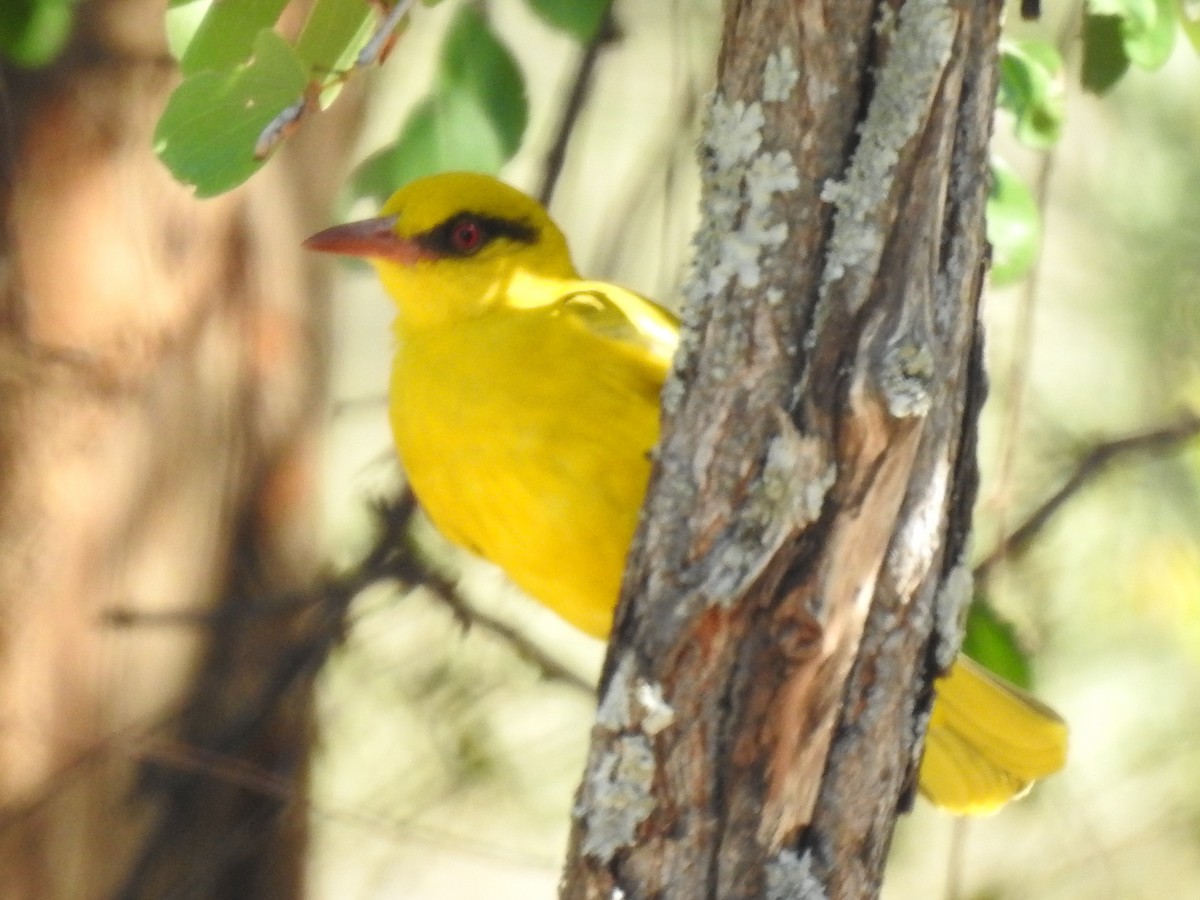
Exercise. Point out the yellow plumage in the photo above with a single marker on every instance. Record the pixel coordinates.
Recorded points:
(500, 478)
(524, 403)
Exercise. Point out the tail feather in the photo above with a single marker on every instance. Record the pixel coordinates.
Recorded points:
(988, 741)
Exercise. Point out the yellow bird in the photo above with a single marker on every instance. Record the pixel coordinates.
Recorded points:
(524, 404)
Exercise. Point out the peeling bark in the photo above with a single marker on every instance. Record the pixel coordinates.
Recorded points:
(815, 479)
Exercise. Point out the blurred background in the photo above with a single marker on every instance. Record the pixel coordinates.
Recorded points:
(446, 763)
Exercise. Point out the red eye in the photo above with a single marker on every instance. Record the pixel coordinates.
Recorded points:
(466, 236)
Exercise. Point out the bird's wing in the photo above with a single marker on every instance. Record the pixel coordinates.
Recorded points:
(622, 316)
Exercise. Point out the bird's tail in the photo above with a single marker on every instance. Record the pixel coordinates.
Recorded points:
(988, 741)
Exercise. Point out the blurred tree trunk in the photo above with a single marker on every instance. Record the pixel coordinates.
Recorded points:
(160, 364)
(798, 575)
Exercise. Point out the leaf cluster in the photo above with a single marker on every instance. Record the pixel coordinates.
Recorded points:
(246, 88)
(476, 114)
(1121, 33)
(1116, 34)
(1031, 93)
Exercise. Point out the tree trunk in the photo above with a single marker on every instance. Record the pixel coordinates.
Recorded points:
(159, 364)
(798, 577)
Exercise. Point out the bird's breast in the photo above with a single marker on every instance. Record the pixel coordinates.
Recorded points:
(529, 444)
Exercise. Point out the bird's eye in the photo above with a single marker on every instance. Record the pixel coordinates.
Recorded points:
(466, 236)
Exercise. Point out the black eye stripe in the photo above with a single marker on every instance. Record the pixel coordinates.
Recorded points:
(440, 238)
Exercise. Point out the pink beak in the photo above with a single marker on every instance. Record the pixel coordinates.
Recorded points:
(372, 238)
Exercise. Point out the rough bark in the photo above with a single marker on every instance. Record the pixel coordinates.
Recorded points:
(160, 358)
(796, 582)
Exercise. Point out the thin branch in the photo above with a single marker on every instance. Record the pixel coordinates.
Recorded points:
(607, 33)
(470, 616)
(1158, 440)
(390, 558)
(377, 47)
(412, 571)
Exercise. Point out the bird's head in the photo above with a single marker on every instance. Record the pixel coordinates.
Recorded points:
(448, 247)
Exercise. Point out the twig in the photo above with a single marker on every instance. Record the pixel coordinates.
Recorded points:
(606, 33)
(374, 49)
(334, 593)
(391, 558)
(469, 616)
(1092, 464)
(288, 120)
(409, 569)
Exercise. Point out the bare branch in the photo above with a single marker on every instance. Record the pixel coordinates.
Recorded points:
(390, 558)
(1158, 440)
(607, 33)
(470, 616)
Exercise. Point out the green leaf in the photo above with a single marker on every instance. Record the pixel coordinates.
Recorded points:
(226, 36)
(1013, 225)
(34, 32)
(1150, 37)
(1031, 89)
(334, 33)
(474, 120)
(1104, 56)
(466, 133)
(415, 153)
(579, 18)
(992, 642)
(208, 133)
(476, 64)
(1119, 32)
(446, 132)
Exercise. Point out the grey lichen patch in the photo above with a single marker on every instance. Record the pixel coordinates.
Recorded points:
(614, 713)
(788, 495)
(616, 797)
(950, 613)
(885, 23)
(655, 712)
(739, 563)
(740, 181)
(770, 174)
(633, 702)
(923, 40)
(780, 76)
(796, 477)
(906, 380)
(790, 877)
